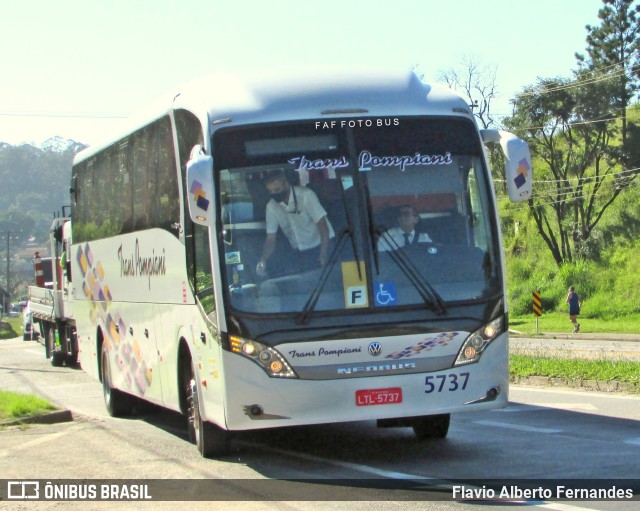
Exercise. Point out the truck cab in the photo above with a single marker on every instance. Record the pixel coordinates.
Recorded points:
(51, 299)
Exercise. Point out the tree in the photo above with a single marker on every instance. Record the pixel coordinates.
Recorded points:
(613, 52)
(569, 128)
(35, 181)
(478, 82)
(18, 223)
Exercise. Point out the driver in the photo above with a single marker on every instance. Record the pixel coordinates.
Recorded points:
(407, 232)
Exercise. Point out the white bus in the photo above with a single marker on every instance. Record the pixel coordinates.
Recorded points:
(169, 225)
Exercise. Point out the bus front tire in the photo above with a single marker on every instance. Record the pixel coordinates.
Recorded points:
(118, 404)
(211, 440)
(432, 426)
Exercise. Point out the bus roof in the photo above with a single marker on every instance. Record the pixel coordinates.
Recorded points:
(286, 95)
(282, 95)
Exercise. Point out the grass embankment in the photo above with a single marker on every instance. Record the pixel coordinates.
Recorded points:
(14, 331)
(15, 406)
(545, 364)
(558, 322)
(627, 371)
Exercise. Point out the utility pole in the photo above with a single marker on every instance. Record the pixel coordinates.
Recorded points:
(9, 234)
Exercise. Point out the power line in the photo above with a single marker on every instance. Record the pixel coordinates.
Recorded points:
(579, 123)
(601, 69)
(560, 194)
(568, 200)
(573, 84)
(565, 199)
(570, 195)
(586, 81)
(635, 170)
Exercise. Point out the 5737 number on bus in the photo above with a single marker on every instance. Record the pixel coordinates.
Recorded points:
(446, 382)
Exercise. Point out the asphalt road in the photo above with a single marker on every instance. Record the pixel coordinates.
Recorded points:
(543, 434)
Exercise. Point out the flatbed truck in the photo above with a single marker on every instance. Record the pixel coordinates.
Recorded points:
(51, 301)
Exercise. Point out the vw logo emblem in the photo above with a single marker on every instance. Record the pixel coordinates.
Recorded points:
(375, 348)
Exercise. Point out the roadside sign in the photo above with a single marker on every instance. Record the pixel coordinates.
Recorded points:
(537, 304)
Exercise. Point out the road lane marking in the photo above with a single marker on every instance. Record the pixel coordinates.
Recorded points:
(585, 407)
(518, 408)
(344, 464)
(632, 441)
(442, 483)
(558, 506)
(517, 427)
(70, 428)
(513, 391)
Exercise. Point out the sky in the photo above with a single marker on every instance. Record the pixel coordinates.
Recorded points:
(77, 68)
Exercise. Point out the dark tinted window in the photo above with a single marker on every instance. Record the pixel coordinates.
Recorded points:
(131, 185)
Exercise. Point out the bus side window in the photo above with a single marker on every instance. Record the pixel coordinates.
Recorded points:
(141, 192)
(196, 237)
(203, 282)
(165, 210)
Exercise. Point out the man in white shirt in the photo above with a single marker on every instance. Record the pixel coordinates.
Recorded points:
(298, 212)
(405, 234)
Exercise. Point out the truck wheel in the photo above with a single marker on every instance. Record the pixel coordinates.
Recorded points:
(57, 357)
(432, 426)
(118, 404)
(71, 359)
(211, 440)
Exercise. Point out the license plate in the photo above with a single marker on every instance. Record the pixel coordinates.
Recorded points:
(371, 397)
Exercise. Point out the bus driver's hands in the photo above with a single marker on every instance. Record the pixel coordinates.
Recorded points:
(261, 269)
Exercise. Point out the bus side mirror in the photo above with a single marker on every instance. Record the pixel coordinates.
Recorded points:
(518, 169)
(200, 187)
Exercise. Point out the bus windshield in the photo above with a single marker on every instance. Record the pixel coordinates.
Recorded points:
(368, 214)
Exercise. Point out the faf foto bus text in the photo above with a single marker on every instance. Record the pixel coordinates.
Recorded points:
(357, 123)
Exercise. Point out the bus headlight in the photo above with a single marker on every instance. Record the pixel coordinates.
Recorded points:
(476, 343)
(273, 363)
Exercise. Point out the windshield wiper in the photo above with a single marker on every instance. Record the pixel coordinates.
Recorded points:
(373, 233)
(308, 308)
(304, 316)
(427, 292)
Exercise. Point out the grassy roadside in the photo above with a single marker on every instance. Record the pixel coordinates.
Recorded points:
(627, 371)
(547, 365)
(558, 322)
(16, 328)
(14, 405)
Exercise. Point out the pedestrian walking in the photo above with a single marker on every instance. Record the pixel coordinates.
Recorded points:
(574, 308)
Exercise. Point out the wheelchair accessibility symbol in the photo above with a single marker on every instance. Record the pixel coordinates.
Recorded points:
(385, 293)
